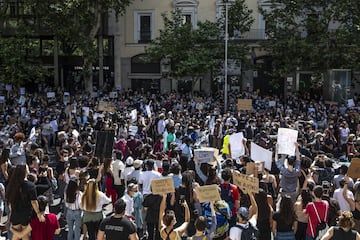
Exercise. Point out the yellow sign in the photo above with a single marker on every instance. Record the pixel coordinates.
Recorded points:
(162, 186)
(354, 169)
(244, 104)
(246, 183)
(208, 193)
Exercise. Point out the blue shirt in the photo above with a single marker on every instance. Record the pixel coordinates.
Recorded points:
(288, 181)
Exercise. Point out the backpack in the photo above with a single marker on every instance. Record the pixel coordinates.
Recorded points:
(226, 195)
(249, 233)
(322, 227)
(222, 214)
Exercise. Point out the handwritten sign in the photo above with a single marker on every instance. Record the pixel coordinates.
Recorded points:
(162, 186)
(236, 145)
(50, 94)
(208, 193)
(105, 107)
(246, 183)
(354, 168)
(286, 140)
(260, 154)
(204, 155)
(250, 167)
(244, 104)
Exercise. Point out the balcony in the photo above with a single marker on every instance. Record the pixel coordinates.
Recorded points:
(251, 35)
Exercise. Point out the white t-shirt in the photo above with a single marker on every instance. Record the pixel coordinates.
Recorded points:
(235, 232)
(129, 205)
(117, 166)
(145, 179)
(103, 200)
(338, 196)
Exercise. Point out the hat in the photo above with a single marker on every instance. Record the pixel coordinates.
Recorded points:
(131, 186)
(137, 163)
(319, 135)
(243, 212)
(129, 161)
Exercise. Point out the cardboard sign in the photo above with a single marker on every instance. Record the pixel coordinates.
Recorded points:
(260, 154)
(204, 155)
(236, 145)
(50, 94)
(208, 193)
(162, 186)
(244, 104)
(246, 183)
(250, 167)
(354, 169)
(286, 140)
(105, 107)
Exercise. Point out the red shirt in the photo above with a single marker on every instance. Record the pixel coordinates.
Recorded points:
(322, 209)
(44, 230)
(235, 195)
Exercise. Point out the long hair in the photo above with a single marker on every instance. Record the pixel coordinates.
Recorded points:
(187, 180)
(107, 165)
(4, 156)
(71, 191)
(306, 197)
(90, 196)
(287, 212)
(17, 178)
(261, 201)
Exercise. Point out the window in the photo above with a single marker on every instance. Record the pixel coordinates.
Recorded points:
(188, 9)
(144, 26)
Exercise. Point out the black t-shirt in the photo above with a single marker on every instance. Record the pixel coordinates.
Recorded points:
(281, 226)
(152, 202)
(117, 228)
(27, 194)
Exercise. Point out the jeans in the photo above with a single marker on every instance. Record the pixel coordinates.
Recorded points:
(73, 219)
(310, 237)
(93, 228)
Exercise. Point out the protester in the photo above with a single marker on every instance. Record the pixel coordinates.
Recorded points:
(343, 231)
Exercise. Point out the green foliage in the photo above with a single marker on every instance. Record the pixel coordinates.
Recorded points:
(312, 35)
(194, 52)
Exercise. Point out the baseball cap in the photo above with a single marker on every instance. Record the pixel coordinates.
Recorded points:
(137, 163)
(243, 212)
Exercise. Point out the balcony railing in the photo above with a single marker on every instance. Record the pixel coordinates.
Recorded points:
(252, 34)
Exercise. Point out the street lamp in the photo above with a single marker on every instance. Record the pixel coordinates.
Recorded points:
(226, 57)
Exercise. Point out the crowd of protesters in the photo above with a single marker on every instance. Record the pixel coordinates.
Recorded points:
(48, 148)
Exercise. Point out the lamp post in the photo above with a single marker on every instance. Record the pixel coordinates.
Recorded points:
(226, 58)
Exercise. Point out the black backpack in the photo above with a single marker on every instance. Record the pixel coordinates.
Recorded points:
(249, 233)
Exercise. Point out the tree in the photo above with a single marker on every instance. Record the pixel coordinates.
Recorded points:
(76, 23)
(313, 35)
(195, 51)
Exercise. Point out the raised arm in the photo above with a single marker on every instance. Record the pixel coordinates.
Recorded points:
(253, 204)
(183, 226)
(161, 212)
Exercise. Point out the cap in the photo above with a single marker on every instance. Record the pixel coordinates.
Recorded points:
(129, 161)
(243, 212)
(131, 186)
(137, 163)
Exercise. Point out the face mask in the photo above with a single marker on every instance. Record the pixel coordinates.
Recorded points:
(37, 161)
(66, 158)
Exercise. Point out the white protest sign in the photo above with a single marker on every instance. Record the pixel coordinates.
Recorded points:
(22, 90)
(286, 140)
(75, 133)
(23, 111)
(50, 94)
(148, 110)
(133, 115)
(260, 154)
(133, 129)
(272, 103)
(32, 134)
(350, 103)
(113, 95)
(236, 145)
(204, 155)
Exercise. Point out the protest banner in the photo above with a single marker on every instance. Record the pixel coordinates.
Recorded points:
(350, 103)
(354, 169)
(162, 186)
(286, 140)
(204, 155)
(236, 145)
(50, 94)
(246, 183)
(260, 154)
(244, 104)
(104, 144)
(133, 115)
(250, 167)
(208, 193)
